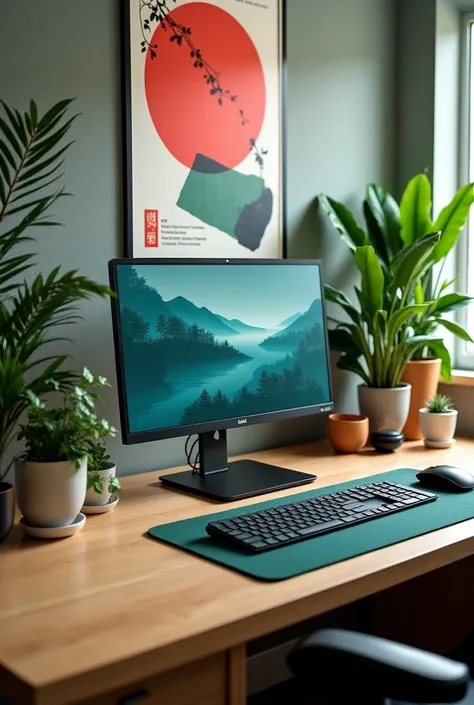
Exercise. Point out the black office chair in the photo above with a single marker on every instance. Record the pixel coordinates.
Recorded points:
(348, 668)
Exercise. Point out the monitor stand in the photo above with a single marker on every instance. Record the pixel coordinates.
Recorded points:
(223, 481)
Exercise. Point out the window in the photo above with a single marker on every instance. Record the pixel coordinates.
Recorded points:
(465, 351)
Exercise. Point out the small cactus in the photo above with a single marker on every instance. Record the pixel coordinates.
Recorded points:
(439, 404)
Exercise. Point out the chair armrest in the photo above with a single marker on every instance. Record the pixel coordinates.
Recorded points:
(340, 662)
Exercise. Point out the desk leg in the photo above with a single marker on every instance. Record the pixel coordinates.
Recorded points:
(237, 675)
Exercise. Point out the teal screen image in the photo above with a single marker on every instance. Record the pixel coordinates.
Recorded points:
(206, 342)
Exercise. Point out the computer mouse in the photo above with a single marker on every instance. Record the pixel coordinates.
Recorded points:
(446, 477)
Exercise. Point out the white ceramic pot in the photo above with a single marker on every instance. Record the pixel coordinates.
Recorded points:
(93, 498)
(387, 408)
(50, 494)
(438, 427)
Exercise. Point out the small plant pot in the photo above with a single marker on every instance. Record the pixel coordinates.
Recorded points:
(50, 494)
(348, 433)
(438, 427)
(385, 407)
(94, 498)
(7, 509)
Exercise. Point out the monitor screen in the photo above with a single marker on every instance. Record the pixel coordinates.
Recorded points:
(200, 342)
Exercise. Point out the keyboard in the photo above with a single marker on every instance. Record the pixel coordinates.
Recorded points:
(268, 529)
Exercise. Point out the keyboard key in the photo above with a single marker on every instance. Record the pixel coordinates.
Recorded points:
(320, 527)
(252, 539)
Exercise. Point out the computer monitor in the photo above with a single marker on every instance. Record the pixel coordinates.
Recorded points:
(206, 345)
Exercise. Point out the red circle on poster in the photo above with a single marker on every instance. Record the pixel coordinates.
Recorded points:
(186, 116)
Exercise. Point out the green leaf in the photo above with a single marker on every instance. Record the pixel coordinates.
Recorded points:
(12, 139)
(114, 484)
(344, 222)
(439, 349)
(351, 364)
(410, 262)
(26, 194)
(419, 295)
(386, 213)
(28, 124)
(340, 299)
(456, 330)
(341, 340)
(451, 221)
(447, 283)
(372, 280)
(375, 236)
(452, 302)
(397, 319)
(33, 113)
(415, 209)
(54, 113)
(16, 123)
(34, 170)
(4, 170)
(24, 206)
(7, 154)
(49, 142)
(38, 179)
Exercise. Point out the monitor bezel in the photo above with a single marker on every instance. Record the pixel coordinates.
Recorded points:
(133, 437)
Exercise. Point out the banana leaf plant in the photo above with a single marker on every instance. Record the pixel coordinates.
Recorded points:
(32, 148)
(391, 229)
(373, 339)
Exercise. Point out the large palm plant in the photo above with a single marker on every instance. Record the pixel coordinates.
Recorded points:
(31, 150)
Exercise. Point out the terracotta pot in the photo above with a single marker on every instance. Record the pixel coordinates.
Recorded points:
(423, 375)
(7, 509)
(348, 433)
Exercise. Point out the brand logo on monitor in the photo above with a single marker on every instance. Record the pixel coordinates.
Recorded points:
(241, 421)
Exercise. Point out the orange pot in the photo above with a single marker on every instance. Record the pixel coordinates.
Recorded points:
(423, 375)
(348, 433)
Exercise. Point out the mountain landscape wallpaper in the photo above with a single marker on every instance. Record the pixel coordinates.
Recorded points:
(208, 341)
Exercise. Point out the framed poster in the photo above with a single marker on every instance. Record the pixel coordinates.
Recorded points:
(204, 128)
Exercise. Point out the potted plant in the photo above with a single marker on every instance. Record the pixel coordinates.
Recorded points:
(392, 228)
(373, 339)
(31, 155)
(438, 421)
(51, 475)
(102, 481)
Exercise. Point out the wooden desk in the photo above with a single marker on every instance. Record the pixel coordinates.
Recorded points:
(110, 612)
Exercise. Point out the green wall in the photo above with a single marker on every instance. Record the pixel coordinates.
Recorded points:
(340, 135)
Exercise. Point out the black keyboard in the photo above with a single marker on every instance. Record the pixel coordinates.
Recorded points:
(296, 521)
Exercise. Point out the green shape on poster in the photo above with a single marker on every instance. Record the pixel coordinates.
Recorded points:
(218, 196)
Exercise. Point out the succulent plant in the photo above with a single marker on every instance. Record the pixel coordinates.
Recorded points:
(439, 404)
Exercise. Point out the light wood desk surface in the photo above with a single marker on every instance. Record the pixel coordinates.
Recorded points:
(110, 607)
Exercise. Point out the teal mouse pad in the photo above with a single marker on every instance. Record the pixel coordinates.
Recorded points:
(311, 554)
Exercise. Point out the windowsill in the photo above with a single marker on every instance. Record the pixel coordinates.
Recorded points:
(461, 378)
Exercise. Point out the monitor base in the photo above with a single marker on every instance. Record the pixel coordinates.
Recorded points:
(242, 478)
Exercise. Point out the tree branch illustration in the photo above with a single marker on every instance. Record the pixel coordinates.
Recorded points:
(158, 12)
